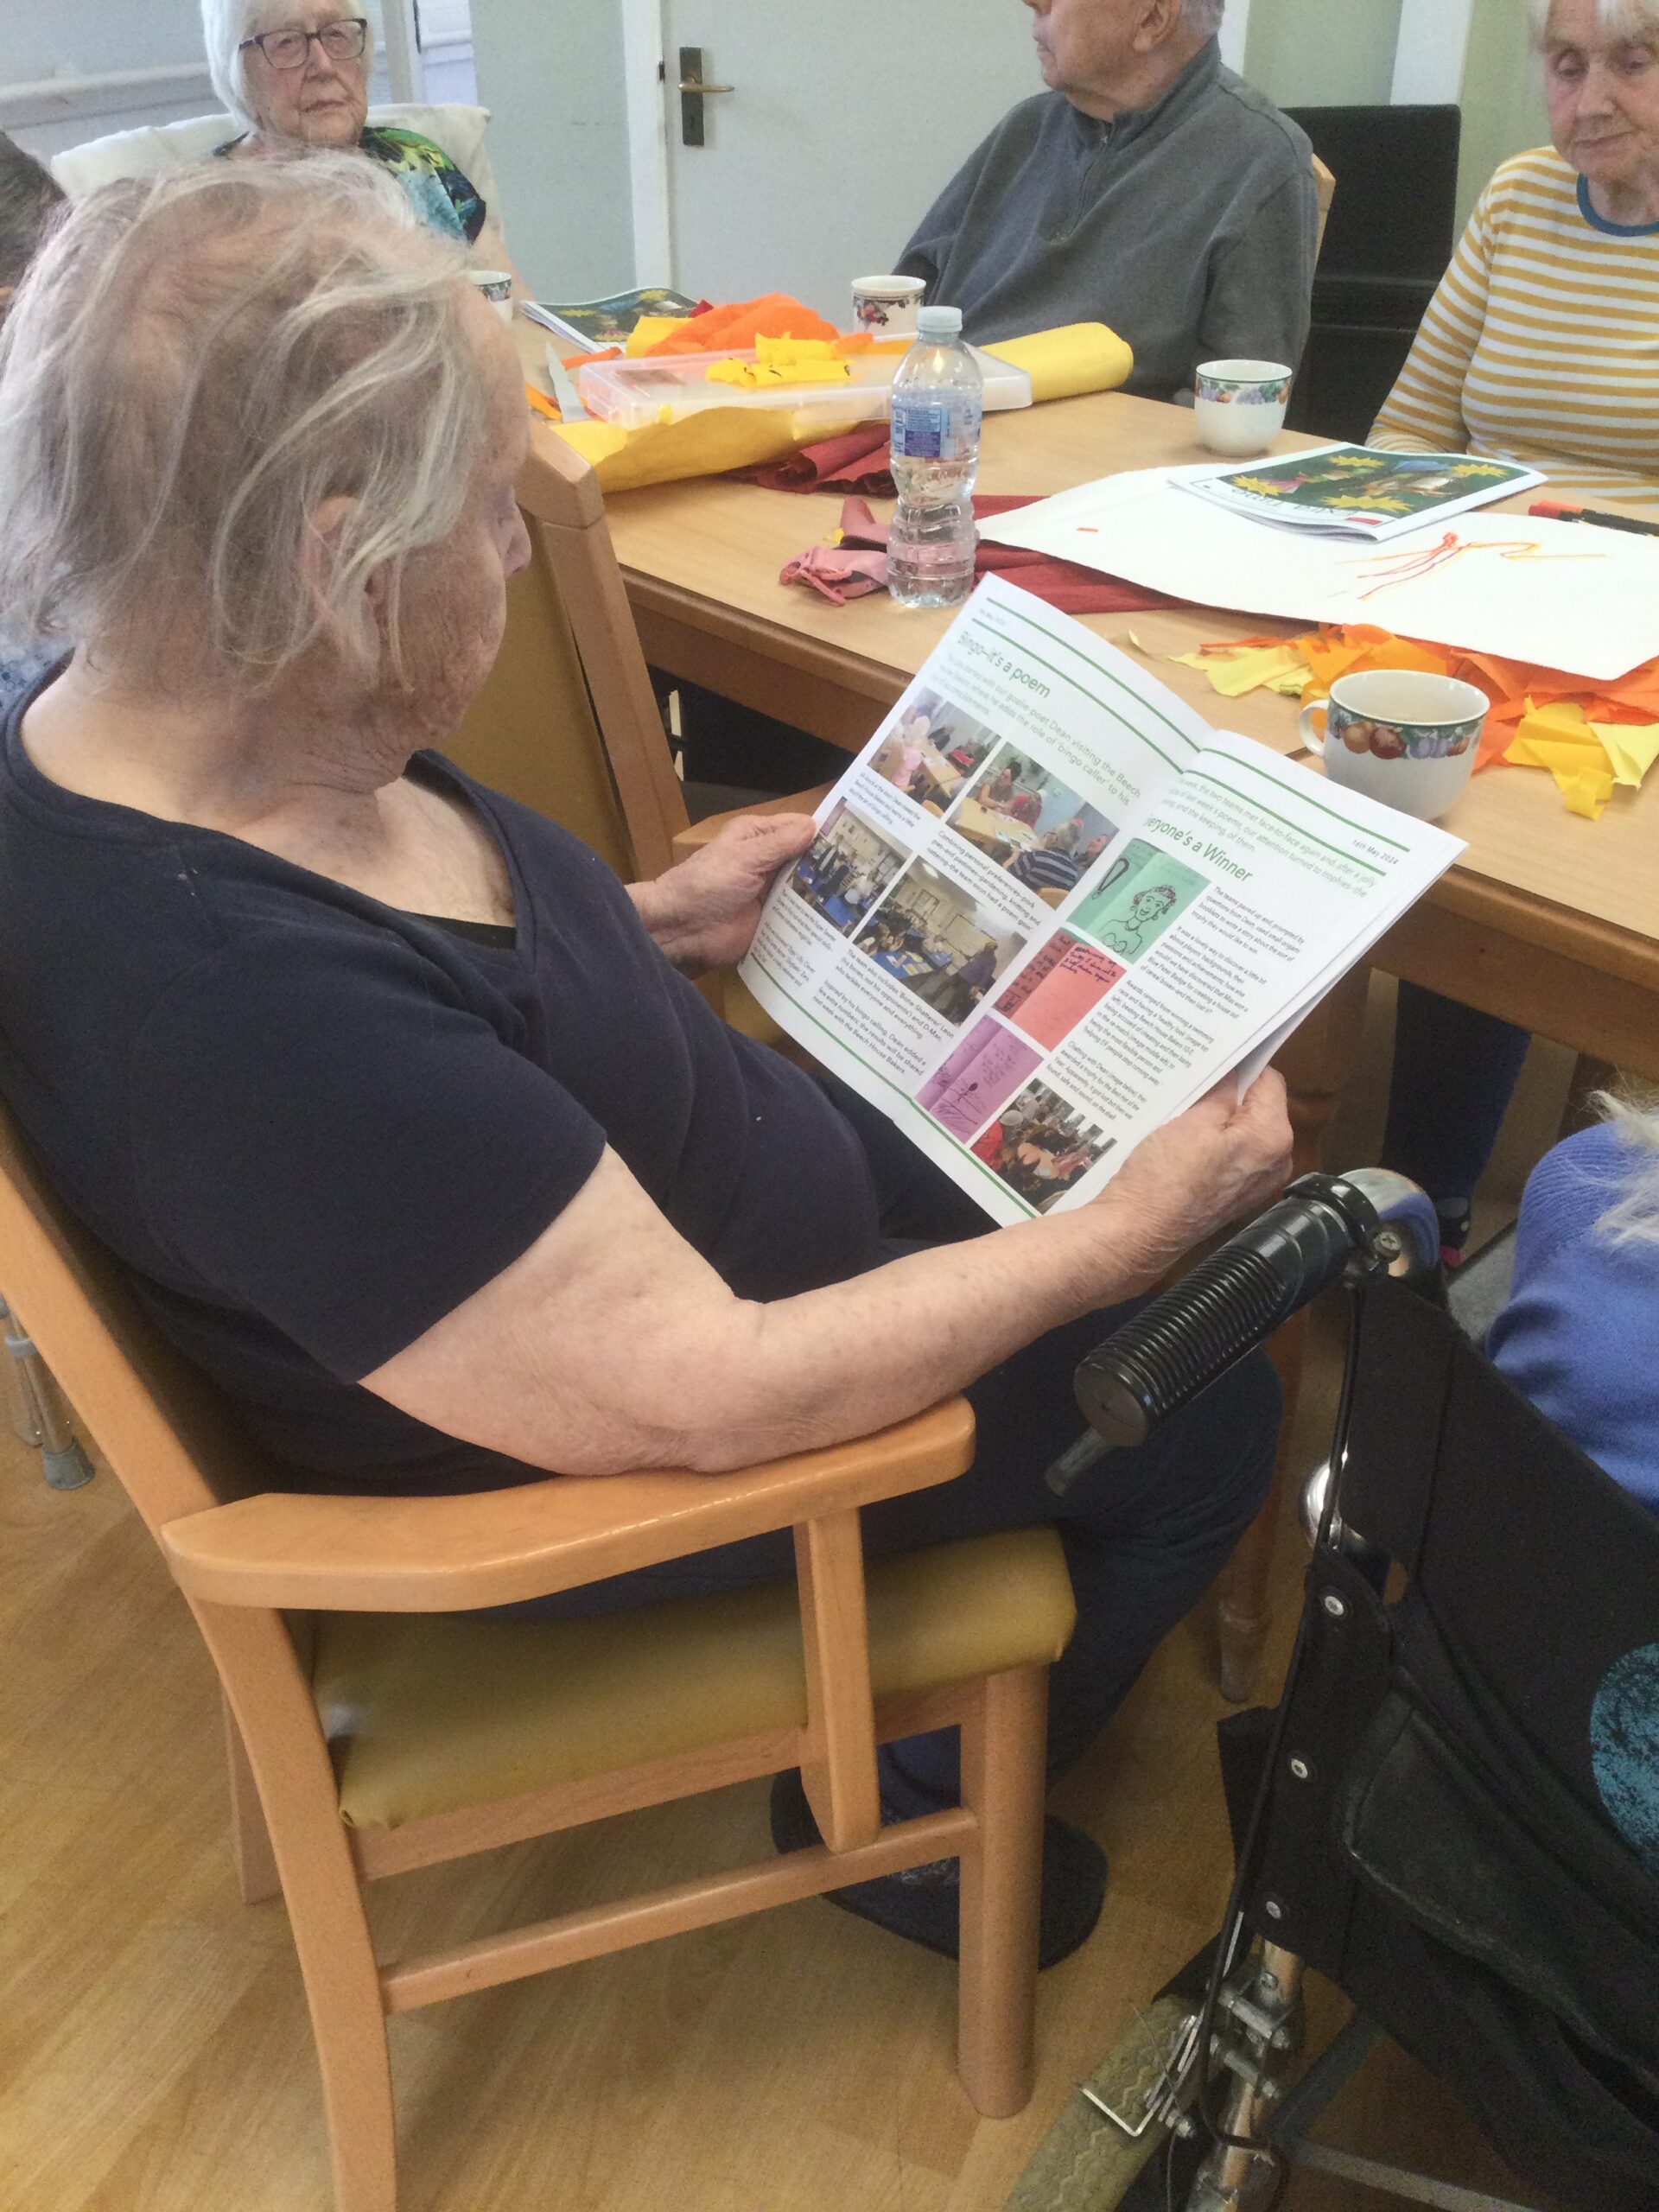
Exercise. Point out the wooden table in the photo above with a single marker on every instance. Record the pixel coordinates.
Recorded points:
(702, 560)
(1548, 920)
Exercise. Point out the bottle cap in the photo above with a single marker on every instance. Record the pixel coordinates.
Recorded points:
(939, 323)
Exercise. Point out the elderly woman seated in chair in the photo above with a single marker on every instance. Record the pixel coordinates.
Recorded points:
(295, 73)
(398, 1108)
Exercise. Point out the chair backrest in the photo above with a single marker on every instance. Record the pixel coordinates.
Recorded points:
(1325, 190)
(1399, 172)
(156, 149)
(161, 1428)
(567, 721)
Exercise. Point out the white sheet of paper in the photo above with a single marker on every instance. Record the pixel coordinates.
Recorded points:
(1579, 598)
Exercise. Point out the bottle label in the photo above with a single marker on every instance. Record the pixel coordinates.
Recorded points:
(930, 430)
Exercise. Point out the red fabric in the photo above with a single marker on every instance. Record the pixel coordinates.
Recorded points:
(850, 570)
(857, 461)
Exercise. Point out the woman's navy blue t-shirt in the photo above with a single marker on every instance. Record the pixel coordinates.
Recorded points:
(310, 1125)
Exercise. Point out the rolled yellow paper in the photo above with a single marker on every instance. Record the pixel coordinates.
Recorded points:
(1079, 357)
(704, 444)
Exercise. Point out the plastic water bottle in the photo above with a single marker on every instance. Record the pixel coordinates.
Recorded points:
(937, 406)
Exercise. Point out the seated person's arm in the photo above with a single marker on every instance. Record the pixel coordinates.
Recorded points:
(934, 236)
(611, 1345)
(1259, 296)
(701, 913)
(486, 244)
(1424, 412)
(1577, 1333)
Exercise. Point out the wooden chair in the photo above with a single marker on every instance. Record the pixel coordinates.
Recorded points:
(384, 1727)
(567, 721)
(1325, 186)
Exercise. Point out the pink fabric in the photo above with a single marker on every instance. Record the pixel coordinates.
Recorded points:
(859, 565)
(838, 574)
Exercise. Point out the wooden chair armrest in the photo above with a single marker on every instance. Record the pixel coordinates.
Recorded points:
(691, 840)
(497, 1548)
(555, 483)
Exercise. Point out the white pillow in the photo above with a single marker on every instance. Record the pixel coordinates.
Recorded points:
(156, 148)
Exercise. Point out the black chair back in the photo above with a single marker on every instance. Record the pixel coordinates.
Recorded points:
(1388, 239)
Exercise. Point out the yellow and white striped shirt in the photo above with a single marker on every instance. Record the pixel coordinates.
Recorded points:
(1542, 344)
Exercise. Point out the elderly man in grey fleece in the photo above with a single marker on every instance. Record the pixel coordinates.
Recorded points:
(1148, 189)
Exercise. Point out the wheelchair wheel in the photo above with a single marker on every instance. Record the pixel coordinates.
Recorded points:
(1086, 2164)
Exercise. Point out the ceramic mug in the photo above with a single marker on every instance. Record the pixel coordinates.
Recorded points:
(886, 305)
(496, 284)
(1240, 405)
(1400, 735)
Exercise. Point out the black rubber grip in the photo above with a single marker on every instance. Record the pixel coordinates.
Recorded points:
(1219, 1311)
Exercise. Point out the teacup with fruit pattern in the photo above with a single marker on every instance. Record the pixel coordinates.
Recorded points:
(1401, 735)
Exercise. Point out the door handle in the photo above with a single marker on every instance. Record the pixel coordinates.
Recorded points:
(694, 89)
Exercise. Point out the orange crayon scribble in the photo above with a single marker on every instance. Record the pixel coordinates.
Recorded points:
(1427, 561)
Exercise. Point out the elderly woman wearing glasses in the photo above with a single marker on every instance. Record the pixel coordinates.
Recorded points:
(296, 72)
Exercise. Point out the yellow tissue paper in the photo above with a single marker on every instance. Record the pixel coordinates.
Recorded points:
(761, 376)
(1077, 357)
(1251, 668)
(648, 331)
(1632, 747)
(1558, 738)
(787, 349)
(784, 360)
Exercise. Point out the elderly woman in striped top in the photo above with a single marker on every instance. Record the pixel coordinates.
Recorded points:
(1542, 344)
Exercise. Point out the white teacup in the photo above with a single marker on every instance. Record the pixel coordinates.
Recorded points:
(496, 284)
(1400, 735)
(1240, 405)
(887, 306)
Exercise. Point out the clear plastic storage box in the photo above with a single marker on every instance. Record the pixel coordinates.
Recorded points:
(668, 387)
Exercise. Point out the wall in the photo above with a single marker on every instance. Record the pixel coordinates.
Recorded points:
(1503, 97)
(68, 41)
(550, 73)
(1295, 53)
(79, 38)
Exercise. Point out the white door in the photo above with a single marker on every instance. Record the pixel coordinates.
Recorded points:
(842, 125)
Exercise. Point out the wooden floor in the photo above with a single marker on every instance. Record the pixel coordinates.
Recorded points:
(154, 2049)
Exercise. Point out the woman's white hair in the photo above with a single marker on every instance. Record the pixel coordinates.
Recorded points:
(225, 23)
(1633, 1218)
(193, 367)
(1636, 19)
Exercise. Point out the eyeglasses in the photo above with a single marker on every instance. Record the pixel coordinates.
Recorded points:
(343, 41)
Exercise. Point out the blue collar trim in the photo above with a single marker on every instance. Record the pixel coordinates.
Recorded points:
(1600, 222)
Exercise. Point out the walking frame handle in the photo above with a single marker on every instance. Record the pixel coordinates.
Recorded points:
(1234, 1299)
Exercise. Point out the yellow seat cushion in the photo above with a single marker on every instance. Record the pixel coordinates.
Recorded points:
(428, 1713)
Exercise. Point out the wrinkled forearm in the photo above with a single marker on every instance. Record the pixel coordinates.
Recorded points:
(738, 1383)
